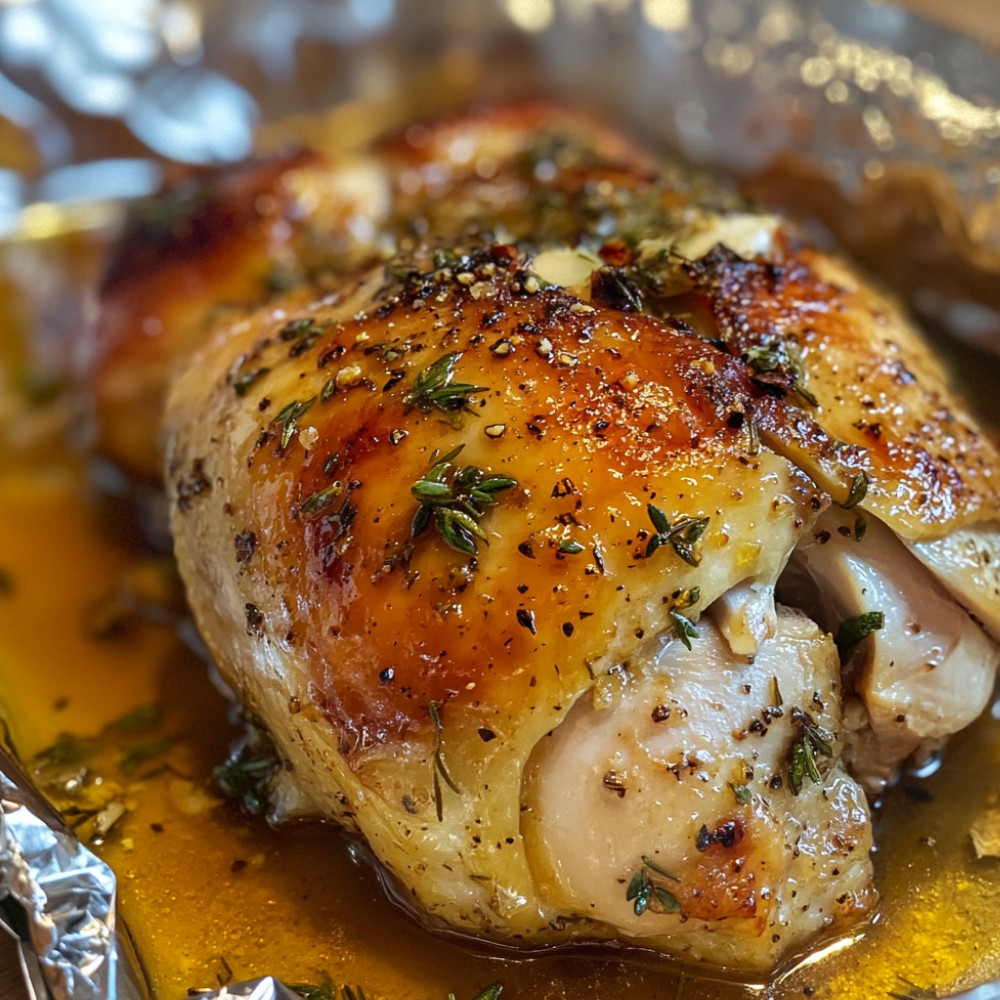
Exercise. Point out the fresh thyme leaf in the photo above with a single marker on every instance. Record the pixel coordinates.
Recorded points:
(303, 333)
(455, 500)
(243, 383)
(636, 884)
(802, 762)
(644, 893)
(742, 792)
(140, 718)
(782, 357)
(67, 749)
(811, 740)
(491, 992)
(317, 502)
(658, 518)
(858, 490)
(433, 387)
(571, 547)
(856, 629)
(288, 417)
(245, 778)
(683, 535)
(683, 628)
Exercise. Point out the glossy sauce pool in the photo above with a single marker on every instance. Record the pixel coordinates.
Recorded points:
(91, 644)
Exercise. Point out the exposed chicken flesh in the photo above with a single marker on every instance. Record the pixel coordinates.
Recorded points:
(925, 672)
(684, 762)
(656, 394)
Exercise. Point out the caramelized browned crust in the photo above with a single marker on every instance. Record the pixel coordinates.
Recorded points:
(879, 401)
(594, 413)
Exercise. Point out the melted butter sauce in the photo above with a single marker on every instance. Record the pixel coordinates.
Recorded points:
(212, 895)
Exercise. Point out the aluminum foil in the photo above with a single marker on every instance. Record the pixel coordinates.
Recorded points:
(859, 100)
(58, 899)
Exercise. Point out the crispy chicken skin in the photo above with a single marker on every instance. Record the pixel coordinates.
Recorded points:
(485, 520)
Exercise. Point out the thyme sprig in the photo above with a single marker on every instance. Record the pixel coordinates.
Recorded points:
(812, 741)
(782, 357)
(683, 536)
(456, 500)
(433, 387)
(645, 893)
(439, 765)
(246, 777)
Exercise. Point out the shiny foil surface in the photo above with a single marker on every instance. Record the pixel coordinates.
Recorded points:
(863, 101)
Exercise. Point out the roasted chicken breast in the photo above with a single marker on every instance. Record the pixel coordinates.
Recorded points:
(580, 537)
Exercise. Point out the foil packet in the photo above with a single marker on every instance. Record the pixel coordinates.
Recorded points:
(824, 107)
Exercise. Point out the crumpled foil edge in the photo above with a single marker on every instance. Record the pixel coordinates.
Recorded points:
(58, 899)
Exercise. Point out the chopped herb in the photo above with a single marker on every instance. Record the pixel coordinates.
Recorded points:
(784, 359)
(646, 894)
(67, 749)
(317, 502)
(491, 992)
(243, 383)
(456, 500)
(914, 992)
(433, 387)
(141, 752)
(683, 535)
(245, 778)
(571, 547)
(304, 332)
(811, 740)
(683, 628)
(439, 766)
(140, 718)
(742, 792)
(289, 417)
(854, 630)
(858, 490)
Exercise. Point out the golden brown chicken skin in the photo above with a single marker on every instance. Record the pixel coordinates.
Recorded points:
(580, 537)
(435, 498)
